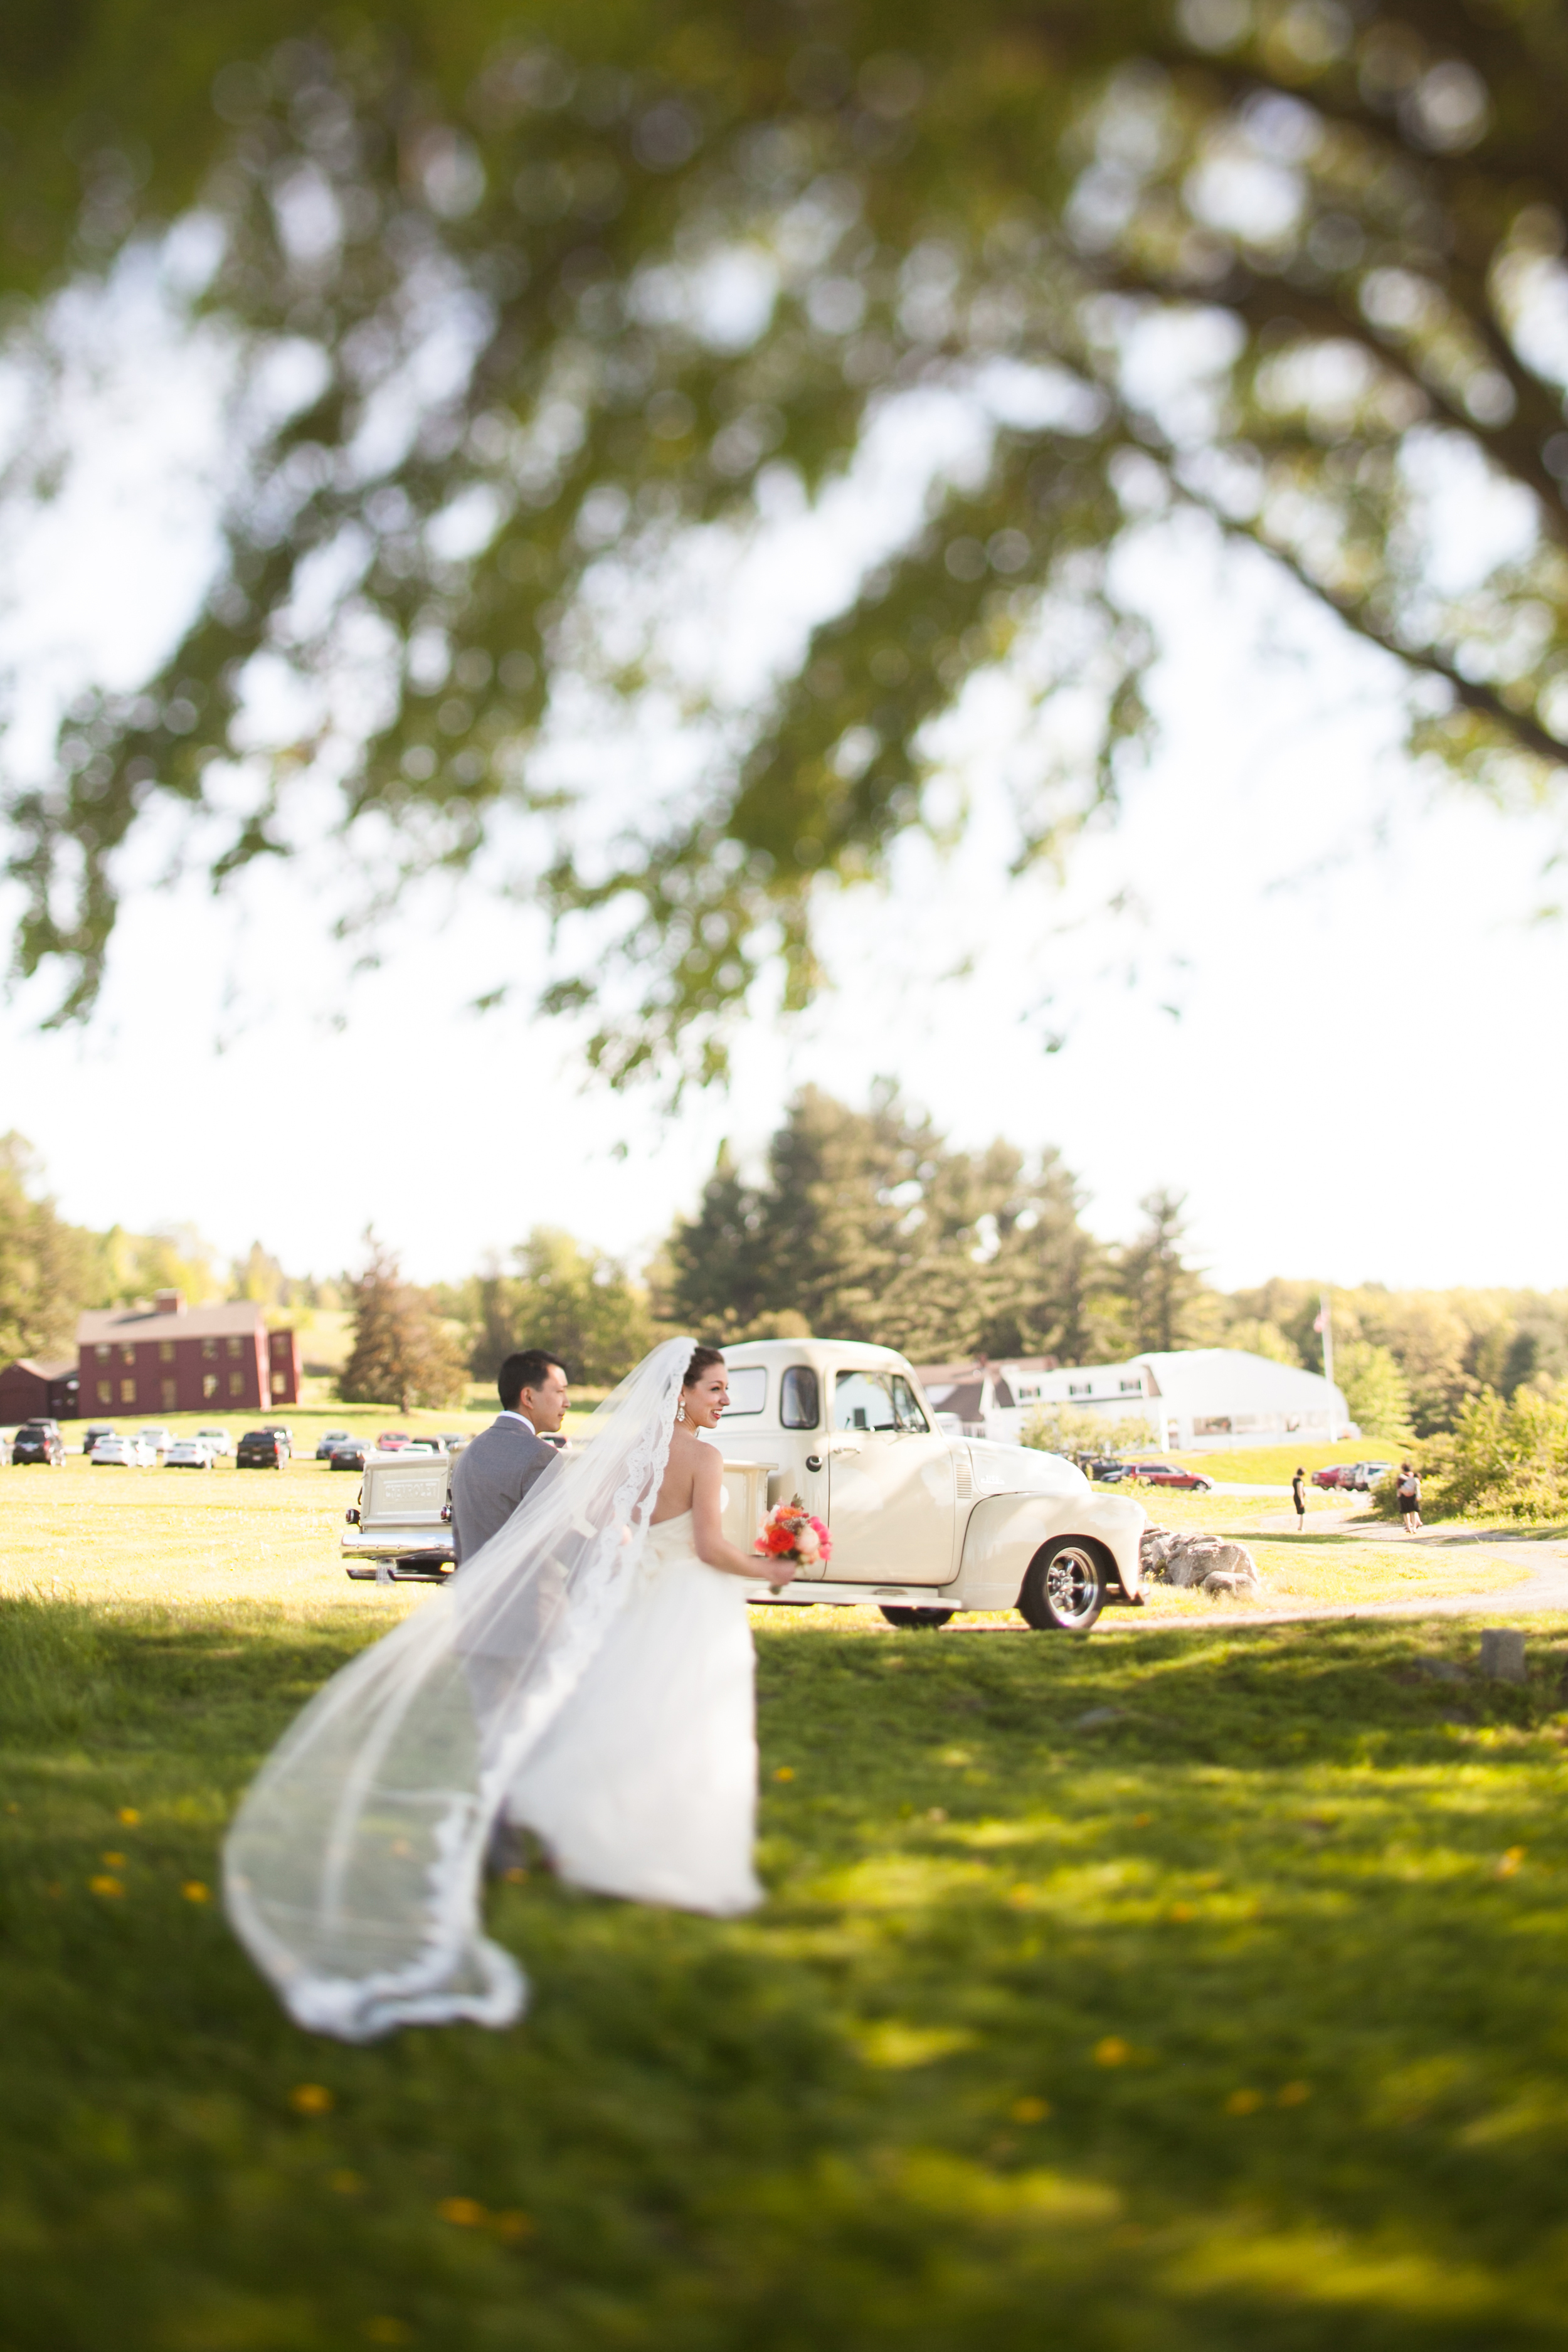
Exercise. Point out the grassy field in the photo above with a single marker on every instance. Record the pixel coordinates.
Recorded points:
(1190, 1988)
(1176, 1989)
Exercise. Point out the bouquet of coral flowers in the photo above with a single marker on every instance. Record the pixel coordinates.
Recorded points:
(789, 1532)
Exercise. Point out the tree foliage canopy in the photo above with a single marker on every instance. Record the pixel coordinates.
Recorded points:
(518, 300)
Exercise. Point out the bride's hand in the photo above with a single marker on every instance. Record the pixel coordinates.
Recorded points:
(778, 1573)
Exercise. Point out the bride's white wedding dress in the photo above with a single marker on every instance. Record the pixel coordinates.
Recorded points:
(646, 1784)
(584, 1673)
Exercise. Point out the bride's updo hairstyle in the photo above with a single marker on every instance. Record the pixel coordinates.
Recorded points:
(702, 1361)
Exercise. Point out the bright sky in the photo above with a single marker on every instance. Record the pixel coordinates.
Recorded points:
(1324, 1009)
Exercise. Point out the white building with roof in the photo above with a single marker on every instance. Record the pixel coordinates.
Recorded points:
(1193, 1398)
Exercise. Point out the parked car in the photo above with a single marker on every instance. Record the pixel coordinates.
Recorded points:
(283, 1433)
(156, 1438)
(1165, 1473)
(1108, 1468)
(261, 1449)
(216, 1441)
(188, 1454)
(120, 1454)
(330, 1438)
(40, 1441)
(923, 1524)
(423, 1445)
(452, 1440)
(1365, 1476)
(350, 1454)
(392, 1440)
(1337, 1474)
(94, 1431)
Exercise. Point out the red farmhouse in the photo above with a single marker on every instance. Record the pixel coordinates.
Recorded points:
(170, 1358)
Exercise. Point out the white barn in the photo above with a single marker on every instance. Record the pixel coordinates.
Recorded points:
(1193, 1398)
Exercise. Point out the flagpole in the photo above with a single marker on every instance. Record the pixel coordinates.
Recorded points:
(1326, 1325)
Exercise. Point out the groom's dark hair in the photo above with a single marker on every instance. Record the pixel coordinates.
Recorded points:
(531, 1369)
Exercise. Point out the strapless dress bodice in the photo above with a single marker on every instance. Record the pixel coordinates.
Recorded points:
(671, 1538)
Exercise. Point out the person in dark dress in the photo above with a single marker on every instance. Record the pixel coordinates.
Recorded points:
(1298, 1497)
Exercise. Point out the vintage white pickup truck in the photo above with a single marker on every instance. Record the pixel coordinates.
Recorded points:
(923, 1523)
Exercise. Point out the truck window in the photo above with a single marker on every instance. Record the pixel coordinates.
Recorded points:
(748, 1390)
(906, 1405)
(800, 1406)
(863, 1401)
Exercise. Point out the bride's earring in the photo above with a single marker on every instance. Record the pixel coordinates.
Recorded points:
(681, 1410)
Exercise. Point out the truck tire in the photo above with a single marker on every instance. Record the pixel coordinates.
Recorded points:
(1064, 1587)
(918, 1620)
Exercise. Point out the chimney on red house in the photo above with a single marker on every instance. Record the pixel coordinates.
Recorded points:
(168, 1302)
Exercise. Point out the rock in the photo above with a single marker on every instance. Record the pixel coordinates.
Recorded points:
(1230, 1579)
(1502, 1653)
(1155, 1546)
(1439, 1670)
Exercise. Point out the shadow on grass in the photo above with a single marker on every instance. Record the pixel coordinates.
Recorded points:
(1196, 1991)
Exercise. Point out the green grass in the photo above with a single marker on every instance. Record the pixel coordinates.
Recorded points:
(1274, 1466)
(1235, 2020)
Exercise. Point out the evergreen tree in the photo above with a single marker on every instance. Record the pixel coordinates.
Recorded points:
(403, 1354)
(713, 1277)
(1161, 1290)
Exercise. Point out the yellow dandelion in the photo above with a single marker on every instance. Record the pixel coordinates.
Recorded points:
(113, 1861)
(1142, 1820)
(1020, 1895)
(385, 2330)
(1511, 1860)
(463, 2212)
(1112, 2051)
(514, 2226)
(1029, 2111)
(1292, 2094)
(1244, 2102)
(129, 1815)
(108, 1887)
(1182, 1912)
(13, 1809)
(195, 1892)
(310, 2099)
(784, 1772)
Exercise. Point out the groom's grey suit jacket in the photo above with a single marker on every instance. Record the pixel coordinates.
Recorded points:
(490, 1478)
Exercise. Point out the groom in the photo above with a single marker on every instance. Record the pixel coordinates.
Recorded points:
(490, 1476)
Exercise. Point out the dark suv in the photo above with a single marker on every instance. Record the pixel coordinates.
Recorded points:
(40, 1441)
(261, 1449)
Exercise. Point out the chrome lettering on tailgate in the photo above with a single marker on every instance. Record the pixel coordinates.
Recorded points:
(408, 1493)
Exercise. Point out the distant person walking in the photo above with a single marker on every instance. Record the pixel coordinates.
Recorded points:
(1299, 1498)
(1408, 1489)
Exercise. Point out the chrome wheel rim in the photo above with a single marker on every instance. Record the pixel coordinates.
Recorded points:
(1072, 1584)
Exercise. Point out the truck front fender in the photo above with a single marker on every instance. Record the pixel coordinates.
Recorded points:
(1005, 1531)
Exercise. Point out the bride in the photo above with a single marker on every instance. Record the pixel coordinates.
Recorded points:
(587, 1675)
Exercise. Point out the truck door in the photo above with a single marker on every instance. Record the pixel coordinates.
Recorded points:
(892, 1492)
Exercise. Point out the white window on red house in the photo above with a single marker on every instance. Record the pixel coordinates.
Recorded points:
(237, 1384)
(171, 1396)
(105, 1389)
(209, 1384)
(127, 1391)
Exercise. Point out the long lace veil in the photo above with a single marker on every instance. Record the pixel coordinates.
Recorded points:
(352, 1871)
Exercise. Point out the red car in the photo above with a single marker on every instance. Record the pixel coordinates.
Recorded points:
(1337, 1474)
(1165, 1473)
(392, 1440)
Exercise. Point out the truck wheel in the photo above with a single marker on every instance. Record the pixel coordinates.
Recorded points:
(1064, 1589)
(917, 1620)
